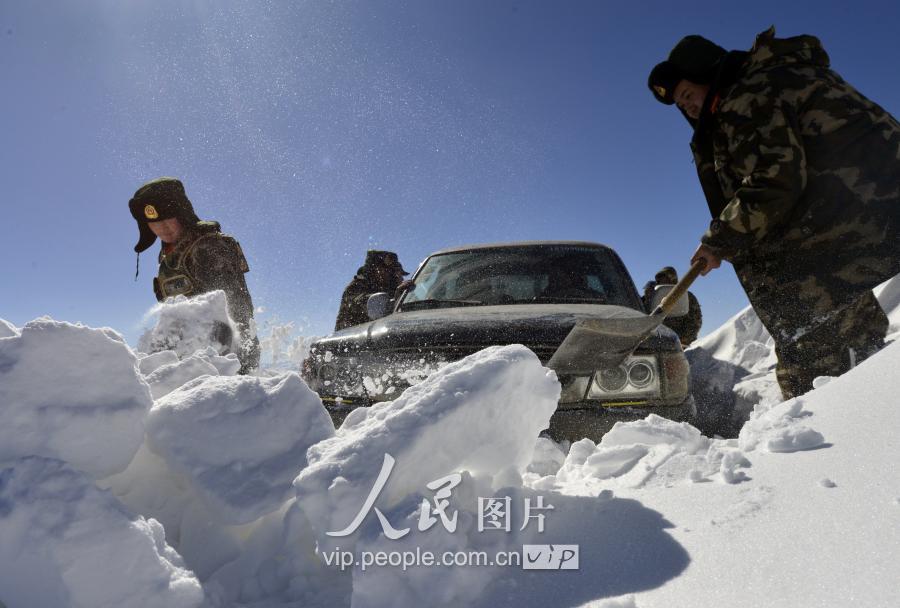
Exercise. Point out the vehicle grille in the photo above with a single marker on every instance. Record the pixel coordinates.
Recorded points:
(455, 353)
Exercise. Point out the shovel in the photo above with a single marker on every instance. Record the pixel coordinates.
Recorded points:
(603, 343)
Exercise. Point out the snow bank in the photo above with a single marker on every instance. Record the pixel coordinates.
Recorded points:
(459, 585)
(239, 441)
(73, 393)
(481, 414)
(475, 421)
(186, 325)
(654, 451)
(645, 453)
(662, 513)
(63, 542)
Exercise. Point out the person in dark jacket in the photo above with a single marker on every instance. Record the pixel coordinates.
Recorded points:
(801, 173)
(381, 272)
(195, 257)
(688, 326)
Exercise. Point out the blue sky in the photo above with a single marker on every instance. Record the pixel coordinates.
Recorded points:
(316, 130)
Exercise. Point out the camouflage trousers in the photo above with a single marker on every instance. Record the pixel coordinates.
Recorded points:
(819, 328)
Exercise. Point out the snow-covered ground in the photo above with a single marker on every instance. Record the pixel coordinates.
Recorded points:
(166, 480)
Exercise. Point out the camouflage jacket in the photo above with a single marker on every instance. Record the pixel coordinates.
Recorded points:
(794, 162)
(206, 260)
(355, 299)
(688, 326)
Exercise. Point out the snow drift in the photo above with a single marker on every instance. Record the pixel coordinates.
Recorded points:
(186, 484)
(72, 393)
(63, 542)
(480, 414)
(201, 431)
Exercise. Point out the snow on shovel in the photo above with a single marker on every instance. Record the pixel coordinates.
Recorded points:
(601, 343)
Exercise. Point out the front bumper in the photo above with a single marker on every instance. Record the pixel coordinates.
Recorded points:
(592, 420)
(571, 421)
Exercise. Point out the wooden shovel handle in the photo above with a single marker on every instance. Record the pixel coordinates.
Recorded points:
(681, 287)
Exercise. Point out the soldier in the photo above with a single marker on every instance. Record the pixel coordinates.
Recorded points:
(688, 326)
(802, 177)
(195, 257)
(381, 272)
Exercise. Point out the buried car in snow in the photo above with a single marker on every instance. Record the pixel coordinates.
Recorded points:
(465, 299)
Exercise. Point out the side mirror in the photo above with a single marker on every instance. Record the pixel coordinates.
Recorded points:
(661, 291)
(378, 305)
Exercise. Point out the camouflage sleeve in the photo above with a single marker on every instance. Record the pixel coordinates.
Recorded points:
(353, 309)
(767, 164)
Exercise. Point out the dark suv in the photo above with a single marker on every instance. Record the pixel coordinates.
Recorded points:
(532, 293)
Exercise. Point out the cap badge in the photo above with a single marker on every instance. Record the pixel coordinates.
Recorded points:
(150, 212)
(661, 91)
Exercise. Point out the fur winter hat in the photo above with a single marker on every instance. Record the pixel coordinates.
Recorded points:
(160, 199)
(694, 58)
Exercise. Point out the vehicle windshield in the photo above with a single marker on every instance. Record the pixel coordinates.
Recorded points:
(534, 274)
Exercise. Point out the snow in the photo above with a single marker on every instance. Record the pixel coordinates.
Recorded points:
(63, 542)
(480, 415)
(201, 431)
(167, 378)
(484, 412)
(73, 393)
(147, 364)
(187, 325)
(164, 479)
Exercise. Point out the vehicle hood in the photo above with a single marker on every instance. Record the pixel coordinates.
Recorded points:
(481, 326)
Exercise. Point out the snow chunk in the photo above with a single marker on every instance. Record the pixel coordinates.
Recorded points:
(186, 325)
(167, 378)
(481, 414)
(148, 364)
(794, 439)
(777, 428)
(228, 365)
(239, 440)
(63, 542)
(7, 329)
(548, 457)
(71, 392)
(632, 452)
(731, 461)
(820, 381)
(654, 430)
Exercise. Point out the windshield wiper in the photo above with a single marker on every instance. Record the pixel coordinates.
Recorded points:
(558, 300)
(431, 303)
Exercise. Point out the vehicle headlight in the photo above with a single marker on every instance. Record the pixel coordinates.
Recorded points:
(637, 377)
(327, 373)
(612, 380)
(335, 374)
(641, 374)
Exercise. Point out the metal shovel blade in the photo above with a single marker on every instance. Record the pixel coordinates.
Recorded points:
(601, 343)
